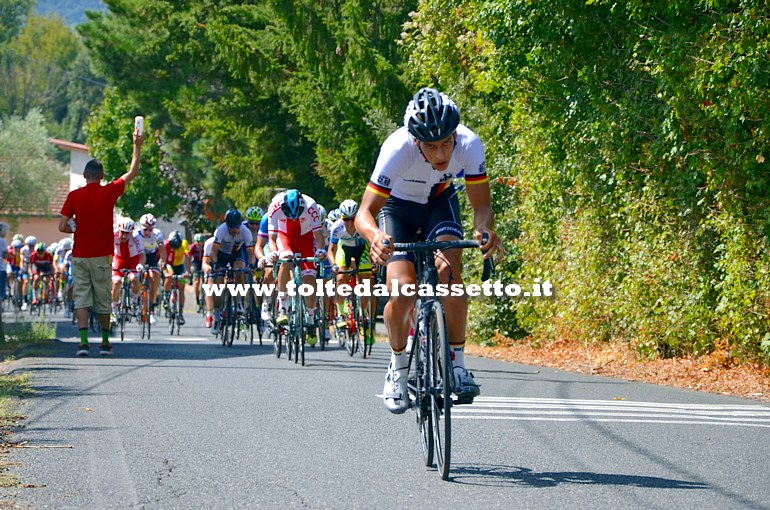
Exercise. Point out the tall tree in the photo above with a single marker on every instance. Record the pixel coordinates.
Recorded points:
(12, 15)
(35, 71)
(29, 176)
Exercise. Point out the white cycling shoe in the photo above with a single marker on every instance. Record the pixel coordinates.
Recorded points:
(394, 394)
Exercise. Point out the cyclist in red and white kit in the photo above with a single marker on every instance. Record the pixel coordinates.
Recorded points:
(41, 267)
(294, 226)
(128, 253)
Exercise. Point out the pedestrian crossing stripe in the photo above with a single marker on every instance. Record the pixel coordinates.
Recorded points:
(566, 410)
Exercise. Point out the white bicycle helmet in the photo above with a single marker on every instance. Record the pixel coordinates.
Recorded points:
(30, 241)
(126, 225)
(348, 209)
(147, 220)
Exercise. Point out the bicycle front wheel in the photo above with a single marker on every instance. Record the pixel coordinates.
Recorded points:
(440, 378)
(421, 391)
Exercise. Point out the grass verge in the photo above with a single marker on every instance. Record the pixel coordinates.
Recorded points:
(21, 339)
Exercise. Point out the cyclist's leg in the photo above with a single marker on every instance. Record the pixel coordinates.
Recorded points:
(117, 282)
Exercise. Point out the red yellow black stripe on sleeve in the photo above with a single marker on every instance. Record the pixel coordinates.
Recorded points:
(476, 179)
(378, 190)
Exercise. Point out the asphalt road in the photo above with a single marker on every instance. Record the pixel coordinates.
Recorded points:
(184, 422)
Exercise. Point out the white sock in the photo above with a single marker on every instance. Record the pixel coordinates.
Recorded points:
(458, 356)
(311, 314)
(399, 360)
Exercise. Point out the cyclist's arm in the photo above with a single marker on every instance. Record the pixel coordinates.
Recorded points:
(206, 264)
(133, 170)
(332, 252)
(259, 247)
(484, 219)
(273, 243)
(319, 238)
(366, 224)
(250, 253)
(214, 252)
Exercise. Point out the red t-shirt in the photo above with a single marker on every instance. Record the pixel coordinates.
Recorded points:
(92, 206)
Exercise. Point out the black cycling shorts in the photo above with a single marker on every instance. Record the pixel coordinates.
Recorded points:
(409, 222)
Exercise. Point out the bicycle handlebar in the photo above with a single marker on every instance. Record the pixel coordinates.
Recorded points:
(489, 264)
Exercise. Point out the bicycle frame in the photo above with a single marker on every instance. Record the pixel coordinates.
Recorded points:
(297, 309)
(431, 385)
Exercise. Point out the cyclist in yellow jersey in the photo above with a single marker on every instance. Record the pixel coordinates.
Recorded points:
(177, 263)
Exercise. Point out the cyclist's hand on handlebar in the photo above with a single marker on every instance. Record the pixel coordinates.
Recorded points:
(320, 254)
(492, 246)
(381, 251)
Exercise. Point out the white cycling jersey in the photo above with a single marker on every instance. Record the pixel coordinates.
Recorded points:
(150, 241)
(309, 220)
(340, 235)
(207, 246)
(228, 242)
(401, 170)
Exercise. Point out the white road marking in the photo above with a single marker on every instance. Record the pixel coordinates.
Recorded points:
(619, 411)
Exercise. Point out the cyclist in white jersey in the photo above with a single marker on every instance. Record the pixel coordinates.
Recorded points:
(294, 226)
(345, 246)
(411, 190)
(229, 238)
(152, 240)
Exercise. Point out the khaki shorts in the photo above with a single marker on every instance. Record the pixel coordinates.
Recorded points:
(92, 283)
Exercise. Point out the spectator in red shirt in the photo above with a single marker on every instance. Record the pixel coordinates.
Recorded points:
(88, 213)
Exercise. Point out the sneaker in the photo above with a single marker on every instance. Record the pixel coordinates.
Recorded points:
(153, 320)
(67, 313)
(84, 350)
(215, 329)
(105, 350)
(208, 321)
(180, 319)
(464, 386)
(35, 301)
(282, 319)
(341, 322)
(394, 392)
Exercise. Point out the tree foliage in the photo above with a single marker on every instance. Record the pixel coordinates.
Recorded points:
(259, 97)
(636, 138)
(29, 176)
(109, 131)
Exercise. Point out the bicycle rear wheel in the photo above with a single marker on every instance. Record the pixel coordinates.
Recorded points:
(440, 379)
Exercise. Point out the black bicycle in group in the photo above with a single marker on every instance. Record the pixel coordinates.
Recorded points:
(431, 378)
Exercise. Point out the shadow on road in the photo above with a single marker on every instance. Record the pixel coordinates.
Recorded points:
(509, 476)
